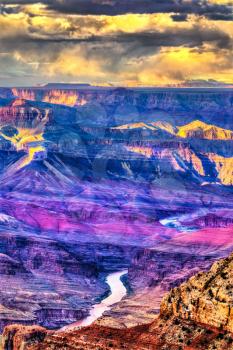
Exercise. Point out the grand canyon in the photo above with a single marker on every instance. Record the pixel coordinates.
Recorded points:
(115, 203)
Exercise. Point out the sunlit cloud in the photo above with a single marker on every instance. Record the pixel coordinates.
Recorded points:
(42, 43)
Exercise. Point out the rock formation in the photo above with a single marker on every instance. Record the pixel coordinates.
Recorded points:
(19, 337)
(119, 103)
(206, 298)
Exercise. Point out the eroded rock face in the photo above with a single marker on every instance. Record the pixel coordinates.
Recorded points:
(52, 283)
(172, 334)
(206, 298)
(197, 151)
(16, 337)
(121, 102)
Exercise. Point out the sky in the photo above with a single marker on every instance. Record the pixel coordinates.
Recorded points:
(119, 42)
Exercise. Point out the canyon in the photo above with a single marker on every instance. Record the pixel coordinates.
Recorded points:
(94, 181)
(195, 315)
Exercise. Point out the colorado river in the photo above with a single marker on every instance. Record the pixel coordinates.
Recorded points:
(118, 291)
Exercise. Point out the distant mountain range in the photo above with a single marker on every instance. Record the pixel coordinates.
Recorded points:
(201, 83)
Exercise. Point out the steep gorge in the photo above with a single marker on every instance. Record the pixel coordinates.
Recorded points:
(196, 315)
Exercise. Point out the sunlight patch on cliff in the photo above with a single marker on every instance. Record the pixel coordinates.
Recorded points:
(24, 137)
(199, 129)
(29, 140)
(145, 151)
(64, 97)
(32, 154)
(224, 168)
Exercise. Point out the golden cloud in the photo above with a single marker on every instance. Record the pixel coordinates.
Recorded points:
(82, 62)
(174, 65)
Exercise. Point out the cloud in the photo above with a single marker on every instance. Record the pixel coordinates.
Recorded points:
(180, 17)
(40, 42)
(118, 7)
(177, 65)
(167, 65)
(195, 37)
(142, 31)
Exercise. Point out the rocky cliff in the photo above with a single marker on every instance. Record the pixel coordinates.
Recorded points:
(117, 105)
(206, 298)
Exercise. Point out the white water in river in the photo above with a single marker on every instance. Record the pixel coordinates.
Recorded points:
(118, 291)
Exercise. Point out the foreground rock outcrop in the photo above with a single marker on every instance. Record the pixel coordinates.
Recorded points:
(20, 337)
(173, 334)
(196, 315)
(206, 298)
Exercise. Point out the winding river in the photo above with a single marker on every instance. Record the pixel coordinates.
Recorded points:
(118, 291)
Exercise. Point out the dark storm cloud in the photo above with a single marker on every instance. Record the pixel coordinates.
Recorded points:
(146, 42)
(136, 44)
(118, 7)
(180, 17)
(6, 10)
(220, 17)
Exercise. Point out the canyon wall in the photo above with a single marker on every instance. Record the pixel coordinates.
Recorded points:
(53, 283)
(206, 298)
(120, 103)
